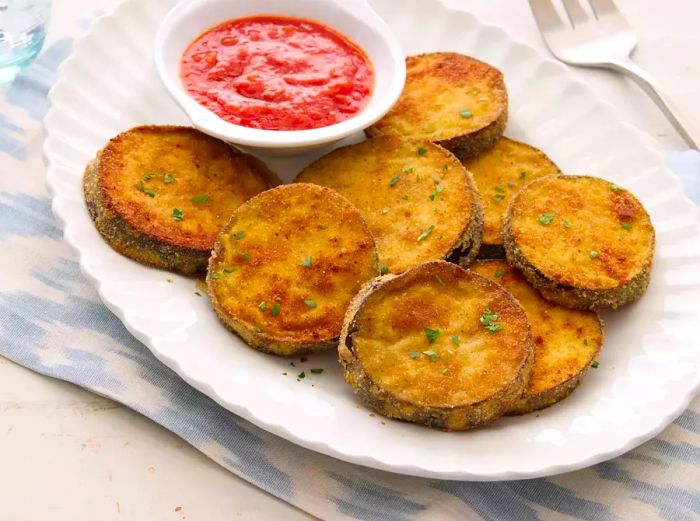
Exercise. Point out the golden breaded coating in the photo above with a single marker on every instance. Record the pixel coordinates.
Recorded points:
(566, 340)
(583, 242)
(436, 345)
(499, 173)
(417, 198)
(454, 100)
(161, 194)
(286, 266)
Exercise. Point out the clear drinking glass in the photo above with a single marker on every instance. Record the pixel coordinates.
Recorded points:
(22, 32)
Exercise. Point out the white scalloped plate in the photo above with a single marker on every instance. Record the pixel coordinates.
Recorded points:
(649, 366)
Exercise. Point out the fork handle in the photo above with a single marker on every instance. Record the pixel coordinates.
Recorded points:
(649, 85)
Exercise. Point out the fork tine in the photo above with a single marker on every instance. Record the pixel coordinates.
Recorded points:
(545, 15)
(575, 12)
(602, 7)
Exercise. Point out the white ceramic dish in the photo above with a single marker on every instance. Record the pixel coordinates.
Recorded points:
(649, 365)
(353, 18)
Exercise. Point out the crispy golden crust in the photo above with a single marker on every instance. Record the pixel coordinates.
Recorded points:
(499, 173)
(403, 188)
(566, 340)
(286, 266)
(141, 175)
(454, 100)
(597, 250)
(465, 377)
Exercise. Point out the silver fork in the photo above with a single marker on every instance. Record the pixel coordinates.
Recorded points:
(605, 40)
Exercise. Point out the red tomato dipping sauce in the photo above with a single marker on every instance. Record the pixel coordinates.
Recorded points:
(277, 73)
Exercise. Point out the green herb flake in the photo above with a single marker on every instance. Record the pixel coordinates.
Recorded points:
(258, 330)
(239, 235)
(615, 188)
(422, 151)
(215, 276)
(445, 167)
(230, 270)
(203, 198)
(498, 197)
(438, 191)
(585, 341)
(595, 365)
(150, 175)
(511, 184)
(431, 334)
(394, 180)
(168, 179)
(383, 268)
(262, 306)
(247, 256)
(488, 320)
(567, 223)
(626, 226)
(439, 279)
(301, 375)
(318, 370)
(593, 254)
(500, 189)
(465, 113)
(309, 302)
(414, 354)
(142, 189)
(432, 355)
(500, 273)
(426, 233)
(178, 214)
(275, 310)
(455, 340)
(494, 327)
(404, 197)
(522, 175)
(408, 170)
(546, 218)
(306, 262)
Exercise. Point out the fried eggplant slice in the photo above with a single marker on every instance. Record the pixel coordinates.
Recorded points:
(436, 345)
(451, 99)
(499, 173)
(583, 242)
(160, 194)
(566, 341)
(418, 200)
(286, 266)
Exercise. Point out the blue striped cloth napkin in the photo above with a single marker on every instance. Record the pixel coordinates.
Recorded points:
(52, 321)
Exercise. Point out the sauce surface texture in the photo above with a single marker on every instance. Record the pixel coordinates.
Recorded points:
(277, 73)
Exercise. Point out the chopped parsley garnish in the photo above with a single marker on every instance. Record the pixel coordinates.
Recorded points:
(595, 364)
(258, 330)
(239, 235)
(592, 254)
(230, 270)
(437, 192)
(414, 354)
(498, 197)
(275, 310)
(488, 320)
(150, 175)
(404, 197)
(408, 170)
(394, 180)
(439, 279)
(301, 375)
(455, 340)
(425, 234)
(262, 306)
(567, 223)
(168, 178)
(431, 334)
(546, 218)
(626, 226)
(500, 189)
(306, 262)
(203, 198)
(309, 302)
(317, 370)
(511, 184)
(522, 174)
(422, 151)
(616, 187)
(247, 256)
(215, 276)
(500, 273)
(178, 214)
(585, 341)
(465, 113)
(383, 268)
(445, 167)
(432, 355)
(141, 188)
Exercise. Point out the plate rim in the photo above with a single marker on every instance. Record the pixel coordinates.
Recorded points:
(324, 447)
